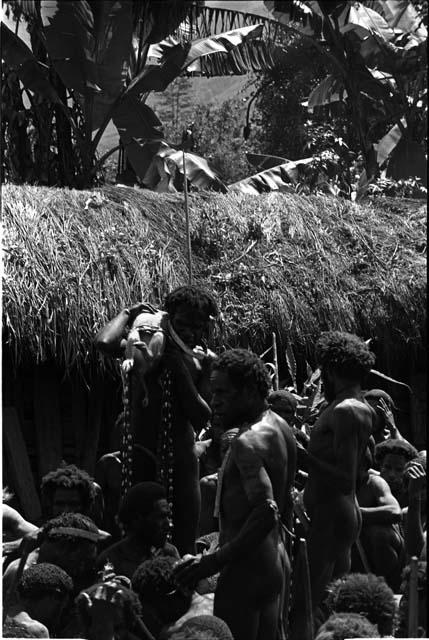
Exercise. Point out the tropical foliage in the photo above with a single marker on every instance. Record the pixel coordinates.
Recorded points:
(375, 90)
(72, 67)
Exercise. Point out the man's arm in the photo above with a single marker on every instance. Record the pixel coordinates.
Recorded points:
(387, 509)
(257, 486)
(194, 406)
(110, 340)
(261, 521)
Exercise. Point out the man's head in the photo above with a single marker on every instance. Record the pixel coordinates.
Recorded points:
(190, 310)
(70, 542)
(391, 457)
(203, 627)
(144, 511)
(340, 626)
(68, 489)
(344, 359)
(284, 403)
(365, 594)
(421, 595)
(373, 398)
(44, 590)
(240, 385)
(158, 591)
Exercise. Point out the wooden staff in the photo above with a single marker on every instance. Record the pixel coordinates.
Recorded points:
(276, 364)
(413, 604)
(188, 230)
(307, 589)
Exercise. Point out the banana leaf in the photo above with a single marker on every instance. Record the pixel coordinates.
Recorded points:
(388, 142)
(262, 162)
(68, 28)
(33, 75)
(331, 89)
(280, 178)
(169, 58)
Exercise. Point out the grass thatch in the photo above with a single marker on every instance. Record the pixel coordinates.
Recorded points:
(295, 264)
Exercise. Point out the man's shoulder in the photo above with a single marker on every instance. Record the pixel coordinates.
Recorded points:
(170, 550)
(352, 413)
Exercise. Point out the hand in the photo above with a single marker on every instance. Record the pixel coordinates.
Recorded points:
(416, 476)
(190, 571)
(201, 447)
(141, 307)
(388, 416)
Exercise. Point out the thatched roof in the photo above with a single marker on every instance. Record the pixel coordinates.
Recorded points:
(298, 265)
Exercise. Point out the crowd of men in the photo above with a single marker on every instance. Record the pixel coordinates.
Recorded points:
(222, 516)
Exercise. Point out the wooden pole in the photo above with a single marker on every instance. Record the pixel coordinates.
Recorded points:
(413, 604)
(188, 231)
(276, 364)
(307, 589)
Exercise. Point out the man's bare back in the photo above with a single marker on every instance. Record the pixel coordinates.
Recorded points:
(339, 439)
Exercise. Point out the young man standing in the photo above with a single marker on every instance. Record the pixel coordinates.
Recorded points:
(190, 310)
(337, 444)
(253, 499)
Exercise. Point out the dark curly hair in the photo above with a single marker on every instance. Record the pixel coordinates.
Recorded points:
(68, 476)
(396, 448)
(345, 353)
(154, 578)
(367, 595)
(44, 579)
(203, 627)
(244, 367)
(347, 625)
(194, 298)
(69, 520)
(156, 586)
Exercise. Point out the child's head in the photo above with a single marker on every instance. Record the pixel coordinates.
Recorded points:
(340, 626)
(365, 594)
(391, 457)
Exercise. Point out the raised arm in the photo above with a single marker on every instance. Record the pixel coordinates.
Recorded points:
(110, 340)
(387, 509)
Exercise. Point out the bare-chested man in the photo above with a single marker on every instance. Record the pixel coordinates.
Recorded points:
(254, 487)
(190, 310)
(337, 443)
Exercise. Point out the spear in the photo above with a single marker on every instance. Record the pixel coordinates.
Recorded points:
(276, 364)
(413, 605)
(187, 143)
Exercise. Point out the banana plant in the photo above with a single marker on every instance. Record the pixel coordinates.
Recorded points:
(108, 56)
(378, 52)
